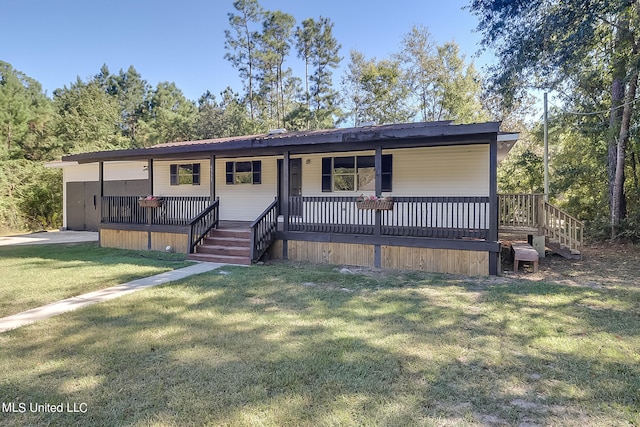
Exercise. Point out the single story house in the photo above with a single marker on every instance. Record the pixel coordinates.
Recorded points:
(299, 196)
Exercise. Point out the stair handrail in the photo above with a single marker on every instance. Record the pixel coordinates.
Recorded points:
(562, 227)
(201, 225)
(263, 230)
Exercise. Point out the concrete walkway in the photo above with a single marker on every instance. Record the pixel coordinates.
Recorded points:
(74, 303)
(49, 237)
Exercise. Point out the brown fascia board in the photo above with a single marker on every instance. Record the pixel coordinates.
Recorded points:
(388, 136)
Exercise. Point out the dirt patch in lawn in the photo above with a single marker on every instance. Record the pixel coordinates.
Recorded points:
(602, 265)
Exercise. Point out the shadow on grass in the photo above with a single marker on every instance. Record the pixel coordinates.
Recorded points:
(279, 346)
(36, 275)
(84, 252)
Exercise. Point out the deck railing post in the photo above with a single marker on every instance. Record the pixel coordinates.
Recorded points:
(377, 229)
(541, 219)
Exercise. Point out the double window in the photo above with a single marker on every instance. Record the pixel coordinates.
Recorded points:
(185, 174)
(244, 172)
(354, 173)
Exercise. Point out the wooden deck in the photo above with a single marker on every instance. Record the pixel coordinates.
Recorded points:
(451, 223)
(530, 214)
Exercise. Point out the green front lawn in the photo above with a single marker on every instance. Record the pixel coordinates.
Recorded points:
(31, 276)
(304, 345)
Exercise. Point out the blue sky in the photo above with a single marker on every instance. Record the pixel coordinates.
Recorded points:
(54, 41)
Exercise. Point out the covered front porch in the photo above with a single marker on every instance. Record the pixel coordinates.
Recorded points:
(299, 194)
(443, 223)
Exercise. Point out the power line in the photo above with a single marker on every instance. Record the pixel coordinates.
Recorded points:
(595, 113)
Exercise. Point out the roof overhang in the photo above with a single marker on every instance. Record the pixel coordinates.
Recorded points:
(506, 141)
(407, 135)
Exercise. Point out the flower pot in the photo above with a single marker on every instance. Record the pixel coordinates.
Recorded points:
(154, 203)
(379, 205)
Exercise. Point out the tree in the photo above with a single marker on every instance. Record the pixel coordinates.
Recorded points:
(209, 123)
(171, 118)
(274, 46)
(443, 86)
(235, 118)
(14, 111)
(320, 50)
(417, 54)
(132, 92)
(551, 44)
(376, 91)
(241, 44)
(305, 36)
(458, 86)
(353, 94)
(88, 118)
(26, 117)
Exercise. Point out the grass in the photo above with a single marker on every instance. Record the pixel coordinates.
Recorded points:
(304, 345)
(36, 275)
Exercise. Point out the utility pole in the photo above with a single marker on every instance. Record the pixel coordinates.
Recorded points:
(546, 151)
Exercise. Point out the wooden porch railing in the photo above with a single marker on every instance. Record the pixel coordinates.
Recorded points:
(329, 214)
(530, 213)
(520, 212)
(201, 225)
(444, 217)
(263, 230)
(174, 210)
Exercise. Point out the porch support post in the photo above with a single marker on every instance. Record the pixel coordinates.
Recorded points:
(285, 202)
(101, 185)
(101, 190)
(150, 171)
(494, 257)
(377, 229)
(150, 175)
(212, 178)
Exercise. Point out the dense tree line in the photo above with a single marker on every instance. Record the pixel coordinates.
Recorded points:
(595, 152)
(122, 110)
(587, 53)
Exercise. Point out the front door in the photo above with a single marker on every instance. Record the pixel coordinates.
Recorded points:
(295, 184)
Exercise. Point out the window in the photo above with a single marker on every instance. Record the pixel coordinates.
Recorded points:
(244, 172)
(354, 173)
(344, 173)
(186, 174)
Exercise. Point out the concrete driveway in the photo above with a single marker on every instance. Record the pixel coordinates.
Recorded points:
(49, 237)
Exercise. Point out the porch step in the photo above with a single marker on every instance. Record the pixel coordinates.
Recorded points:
(224, 250)
(239, 260)
(563, 251)
(232, 246)
(230, 233)
(226, 241)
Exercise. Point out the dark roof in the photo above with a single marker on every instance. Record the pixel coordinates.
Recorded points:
(341, 139)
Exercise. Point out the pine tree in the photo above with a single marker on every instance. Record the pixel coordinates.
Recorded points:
(241, 44)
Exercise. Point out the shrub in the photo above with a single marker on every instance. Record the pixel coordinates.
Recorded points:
(30, 196)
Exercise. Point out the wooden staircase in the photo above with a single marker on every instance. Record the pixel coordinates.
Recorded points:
(230, 246)
(529, 213)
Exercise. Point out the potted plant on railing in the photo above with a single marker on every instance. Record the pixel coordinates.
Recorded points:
(379, 203)
(150, 202)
